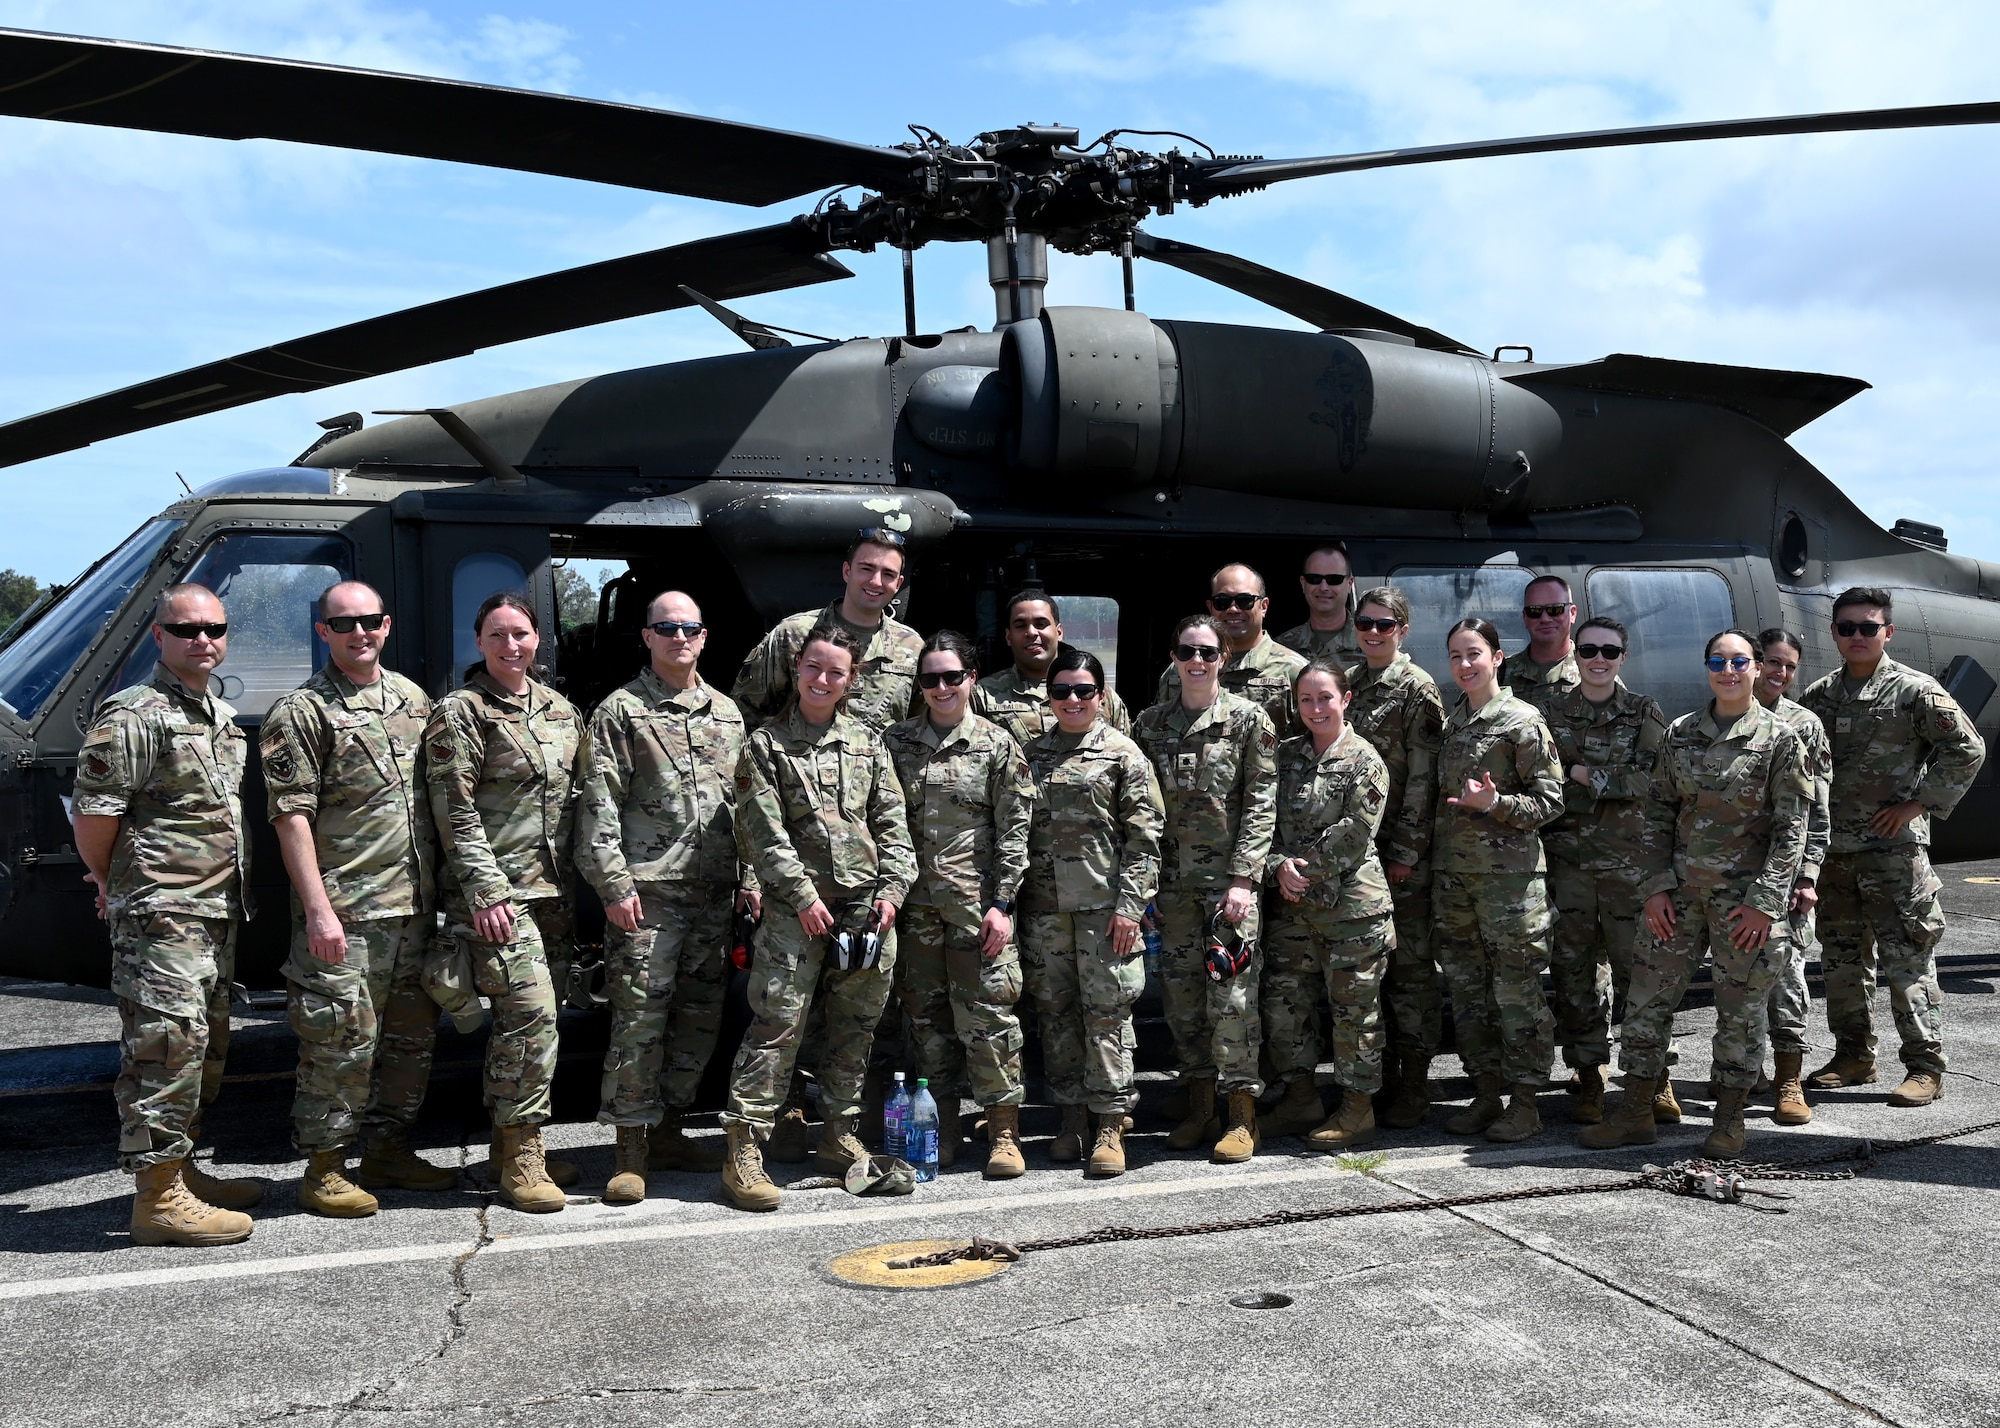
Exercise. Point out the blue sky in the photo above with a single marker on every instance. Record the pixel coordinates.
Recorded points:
(125, 256)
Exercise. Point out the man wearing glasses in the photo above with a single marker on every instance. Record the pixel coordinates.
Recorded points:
(1255, 666)
(1327, 582)
(158, 818)
(354, 824)
(1903, 752)
(885, 681)
(656, 836)
(1017, 698)
(1547, 667)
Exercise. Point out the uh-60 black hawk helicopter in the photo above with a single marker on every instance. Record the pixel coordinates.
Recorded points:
(1111, 457)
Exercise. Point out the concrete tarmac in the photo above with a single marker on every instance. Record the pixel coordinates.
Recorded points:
(1868, 1301)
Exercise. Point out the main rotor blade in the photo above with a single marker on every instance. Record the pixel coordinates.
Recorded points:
(81, 80)
(760, 260)
(1322, 307)
(1255, 173)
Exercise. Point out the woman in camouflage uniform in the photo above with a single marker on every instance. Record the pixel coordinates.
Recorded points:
(958, 971)
(1498, 783)
(504, 757)
(1333, 927)
(1093, 865)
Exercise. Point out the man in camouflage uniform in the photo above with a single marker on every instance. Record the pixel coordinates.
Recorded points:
(347, 797)
(1258, 668)
(885, 685)
(158, 818)
(1903, 753)
(1547, 667)
(1327, 582)
(656, 837)
(1017, 698)
(1214, 754)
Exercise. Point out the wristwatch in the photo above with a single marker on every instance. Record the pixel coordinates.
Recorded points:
(1002, 905)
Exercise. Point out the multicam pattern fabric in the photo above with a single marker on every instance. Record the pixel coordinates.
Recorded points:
(1083, 994)
(1398, 710)
(1540, 684)
(1493, 942)
(666, 983)
(170, 1056)
(1217, 1027)
(1341, 644)
(1021, 706)
(366, 1030)
(969, 799)
(1262, 674)
(1508, 742)
(885, 681)
(515, 978)
(963, 1026)
(1330, 809)
(1312, 951)
(1603, 823)
(1218, 774)
(1661, 972)
(1879, 910)
(1094, 841)
(1791, 998)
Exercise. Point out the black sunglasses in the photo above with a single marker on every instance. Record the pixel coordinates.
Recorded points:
(882, 535)
(1543, 612)
(1367, 624)
(1846, 629)
(1207, 654)
(344, 624)
(1072, 691)
(686, 629)
(1312, 579)
(1242, 600)
(931, 679)
(194, 629)
(1601, 651)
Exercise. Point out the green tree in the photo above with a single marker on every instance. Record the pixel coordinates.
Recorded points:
(17, 593)
(576, 598)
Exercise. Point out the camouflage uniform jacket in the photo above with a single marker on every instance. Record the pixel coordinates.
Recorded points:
(1539, 684)
(659, 802)
(1339, 644)
(885, 682)
(1021, 705)
(1398, 710)
(1603, 826)
(1729, 809)
(1330, 808)
(1218, 771)
(1819, 763)
(1263, 673)
(1095, 838)
(1900, 737)
(349, 757)
(970, 800)
(1507, 742)
(504, 771)
(169, 763)
(819, 814)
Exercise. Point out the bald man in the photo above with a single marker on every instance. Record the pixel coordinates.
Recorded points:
(1254, 665)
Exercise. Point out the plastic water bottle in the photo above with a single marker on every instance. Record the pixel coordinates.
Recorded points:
(896, 1118)
(1154, 944)
(921, 1137)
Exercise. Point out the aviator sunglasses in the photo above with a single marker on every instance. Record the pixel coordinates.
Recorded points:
(1543, 612)
(1718, 663)
(931, 679)
(1207, 654)
(194, 629)
(1368, 624)
(344, 624)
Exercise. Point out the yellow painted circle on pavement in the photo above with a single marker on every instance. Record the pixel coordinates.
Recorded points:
(869, 1268)
(1983, 880)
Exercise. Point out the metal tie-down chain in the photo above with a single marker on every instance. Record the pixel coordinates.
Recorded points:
(1723, 1181)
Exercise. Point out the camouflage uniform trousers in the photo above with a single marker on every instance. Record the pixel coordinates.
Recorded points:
(366, 1030)
(1493, 938)
(170, 1067)
(1590, 963)
(1790, 998)
(1412, 992)
(1083, 995)
(1881, 906)
(1218, 1027)
(961, 1009)
(1310, 949)
(1661, 972)
(514, 976)
(666, 984)
(786, 969)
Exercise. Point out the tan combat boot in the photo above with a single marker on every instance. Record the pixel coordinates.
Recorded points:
(388, 1163)
(627, 1185)
(668, 1147)
(1847, 1068)
(1412, 1101)
(165, 1213)
(1003, 1143)
(951, 1129)
(1352, 1125)
(1588, 1107)
(1486, 1107)
(839, 1145)
(1299, 1112)
(1068, 1144)
(1920, 1087)
(1240, 1137)
(1522, 1120)
(326, 1190)
(1631, 1121)
(1666, 1108)
(243, 1194)
(524, 1179)
(1792, 1109)
(1107, 1157)
(1201, 1125)
(1725, 1140)
(743, 1177)
(559, 1172)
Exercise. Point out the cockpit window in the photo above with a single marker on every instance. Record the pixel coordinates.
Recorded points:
(35, 661)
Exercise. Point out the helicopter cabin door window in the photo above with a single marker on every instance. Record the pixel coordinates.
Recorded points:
(1669, 615)
(1441, 596)
(483, 573)
(1090, 622)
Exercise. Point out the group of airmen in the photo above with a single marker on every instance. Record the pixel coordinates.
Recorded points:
(907, 848)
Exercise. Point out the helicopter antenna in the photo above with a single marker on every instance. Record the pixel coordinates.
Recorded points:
(909, 292)
(1125, 258)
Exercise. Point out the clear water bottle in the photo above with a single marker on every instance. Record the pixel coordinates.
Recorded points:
(921, 1136)
(896, 1118)
(1154, 944)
